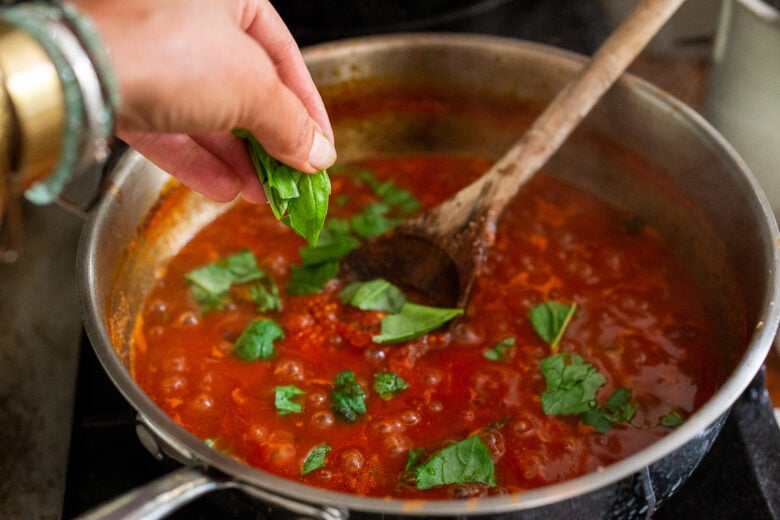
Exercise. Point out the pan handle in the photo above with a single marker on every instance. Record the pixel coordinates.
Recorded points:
(157, 498)
(169, 492)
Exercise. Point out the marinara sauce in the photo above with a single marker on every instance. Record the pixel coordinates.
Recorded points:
(640, 322)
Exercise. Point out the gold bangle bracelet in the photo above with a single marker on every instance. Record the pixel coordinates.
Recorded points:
(35, 109)
(6, 142)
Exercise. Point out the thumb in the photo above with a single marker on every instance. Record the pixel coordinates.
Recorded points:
(280, 122)
(303, 138)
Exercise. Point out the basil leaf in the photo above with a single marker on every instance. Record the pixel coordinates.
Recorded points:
(465, 461)
(349, 398)
(571, 384)
(617, 409)
(374, 295)
(283, 399)
(412, 457)
(390, 194)
(388, 385)
(283, 180)
(336, 239)
(501, 351)
(334, 230)
(257, 340)
(297, 199)
(311, 279)
(321, 262)
(277, 191)
(672, 419)
(330, 251)
(307, 212)
(550, 320)
(210, 284)
(413, 321)
(315, 459)
(398, 198)
(266, 296)
(372, 221)
(595, 417)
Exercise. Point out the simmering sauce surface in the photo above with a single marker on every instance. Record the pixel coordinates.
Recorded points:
(640, 322)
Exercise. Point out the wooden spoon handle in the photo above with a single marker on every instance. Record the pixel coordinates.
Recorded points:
(498, 186)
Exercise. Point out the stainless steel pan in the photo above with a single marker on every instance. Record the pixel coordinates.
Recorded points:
(640, 149)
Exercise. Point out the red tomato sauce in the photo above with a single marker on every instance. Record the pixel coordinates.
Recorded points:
(640, 322)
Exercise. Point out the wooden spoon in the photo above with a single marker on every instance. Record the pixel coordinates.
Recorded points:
(441, 251)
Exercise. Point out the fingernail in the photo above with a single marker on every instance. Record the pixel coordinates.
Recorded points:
(322, 154)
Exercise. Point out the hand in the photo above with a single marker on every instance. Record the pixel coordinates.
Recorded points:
(189, 71)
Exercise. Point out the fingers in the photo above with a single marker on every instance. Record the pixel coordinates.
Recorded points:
(176, 83)
(270, 31)
(192, 164)
(232, 151)
(216, 166)
(278, 118)
(287, 114)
